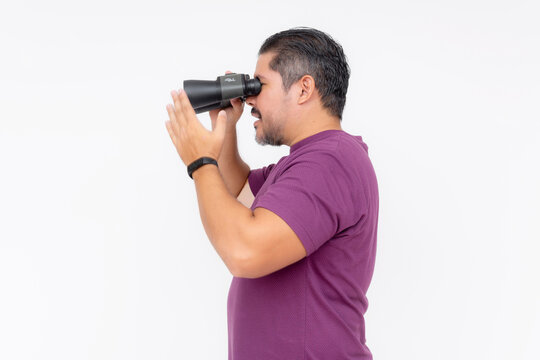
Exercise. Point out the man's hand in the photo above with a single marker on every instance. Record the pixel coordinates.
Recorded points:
(190, 138)
(233, 112)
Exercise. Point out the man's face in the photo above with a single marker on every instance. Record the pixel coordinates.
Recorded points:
(270, 105)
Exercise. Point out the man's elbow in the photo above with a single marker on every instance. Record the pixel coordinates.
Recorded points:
(243, 271)
(244, 262)
(247, 265)
(252, 266)
(243, 266)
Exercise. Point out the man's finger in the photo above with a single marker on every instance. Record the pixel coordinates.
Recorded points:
(221, 124)
(172, 117)
(180, 118)
(187, 109)
(170, 131)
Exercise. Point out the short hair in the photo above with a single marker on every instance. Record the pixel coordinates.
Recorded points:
(306, 51)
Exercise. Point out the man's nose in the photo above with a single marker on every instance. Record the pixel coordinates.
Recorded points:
(250, 100)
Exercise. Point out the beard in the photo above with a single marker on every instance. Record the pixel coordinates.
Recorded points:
(271, 134)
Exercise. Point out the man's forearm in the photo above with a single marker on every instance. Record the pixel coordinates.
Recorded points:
(223, 217)
(233, 169)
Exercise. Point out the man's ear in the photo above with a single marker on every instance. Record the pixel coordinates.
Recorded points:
(307, 88)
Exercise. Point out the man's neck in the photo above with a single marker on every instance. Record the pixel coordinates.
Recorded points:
(314, 126)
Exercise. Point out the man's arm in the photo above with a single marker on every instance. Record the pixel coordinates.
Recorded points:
(227, 222)
(233, 169)
(273, 245)
(223, 217)
(251, 244)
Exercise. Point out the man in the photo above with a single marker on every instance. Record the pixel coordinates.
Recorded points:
(298, 236)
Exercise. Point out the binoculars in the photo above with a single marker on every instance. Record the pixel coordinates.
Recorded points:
(206, 95)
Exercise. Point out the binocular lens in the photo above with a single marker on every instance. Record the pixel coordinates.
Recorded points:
(206, 95)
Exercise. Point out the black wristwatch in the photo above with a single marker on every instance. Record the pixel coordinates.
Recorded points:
(198, 163)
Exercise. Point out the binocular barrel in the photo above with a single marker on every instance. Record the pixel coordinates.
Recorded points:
(206, 95)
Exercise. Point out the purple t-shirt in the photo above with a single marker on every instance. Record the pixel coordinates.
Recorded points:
(326, 191)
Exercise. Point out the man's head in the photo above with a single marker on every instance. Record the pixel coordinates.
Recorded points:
(301, 70)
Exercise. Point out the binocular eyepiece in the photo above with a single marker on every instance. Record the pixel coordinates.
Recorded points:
(206, 95)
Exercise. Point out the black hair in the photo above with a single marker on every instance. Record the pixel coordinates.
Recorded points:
(306, 51)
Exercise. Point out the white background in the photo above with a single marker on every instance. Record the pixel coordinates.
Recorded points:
(102, 251)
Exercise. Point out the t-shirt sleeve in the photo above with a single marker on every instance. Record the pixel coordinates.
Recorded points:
(314, 198)
(257, 177)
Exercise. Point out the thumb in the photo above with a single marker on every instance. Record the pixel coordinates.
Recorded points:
(221, 123)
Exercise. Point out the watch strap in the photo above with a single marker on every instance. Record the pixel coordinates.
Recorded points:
(198, 163)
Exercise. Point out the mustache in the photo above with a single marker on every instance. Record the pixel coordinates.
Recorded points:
(256, 112)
